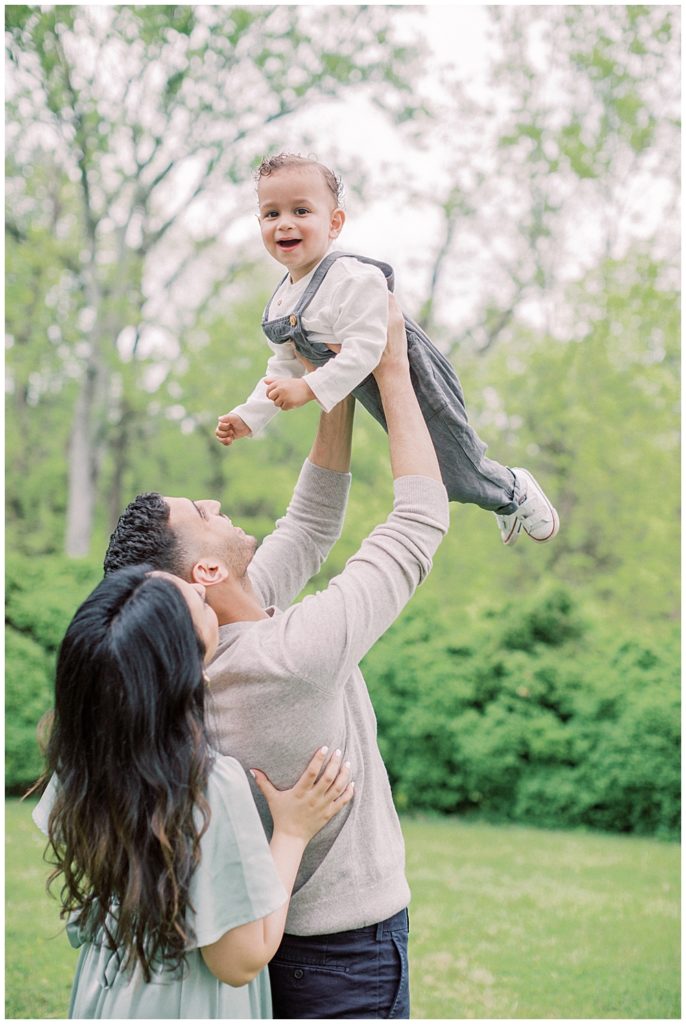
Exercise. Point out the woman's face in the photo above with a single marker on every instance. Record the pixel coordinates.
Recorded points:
(204, 618)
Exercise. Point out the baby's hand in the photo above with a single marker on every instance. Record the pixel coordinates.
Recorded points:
(288, 393)
(230, 428)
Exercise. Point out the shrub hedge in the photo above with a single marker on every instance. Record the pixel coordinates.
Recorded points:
(539, 718)
(41, 595)
(534, 714)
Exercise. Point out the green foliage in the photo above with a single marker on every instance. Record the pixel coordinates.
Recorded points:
(537, 717)
(108, 203)
(597, 420)
(41, 597)
(28, 695)
(531, 714)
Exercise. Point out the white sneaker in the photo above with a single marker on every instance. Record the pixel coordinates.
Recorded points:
(535, 515)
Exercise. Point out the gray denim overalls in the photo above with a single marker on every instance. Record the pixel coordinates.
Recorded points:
(468, 475)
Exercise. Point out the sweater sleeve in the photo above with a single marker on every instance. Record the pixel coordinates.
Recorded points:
(302, 539)
(324, 638)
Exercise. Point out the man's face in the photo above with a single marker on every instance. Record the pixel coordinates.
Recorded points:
(204, 531)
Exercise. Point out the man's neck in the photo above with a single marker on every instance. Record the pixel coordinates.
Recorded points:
(237, 604)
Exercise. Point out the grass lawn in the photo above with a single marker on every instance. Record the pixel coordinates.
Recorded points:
(506, 922)
(511, 922)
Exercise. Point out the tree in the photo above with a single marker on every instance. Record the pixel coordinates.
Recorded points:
(547, 163)
(150, 117)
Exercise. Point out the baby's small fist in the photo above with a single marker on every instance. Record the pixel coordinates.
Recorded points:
(231, 427)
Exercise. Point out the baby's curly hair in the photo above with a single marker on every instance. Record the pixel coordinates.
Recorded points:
(270, 164)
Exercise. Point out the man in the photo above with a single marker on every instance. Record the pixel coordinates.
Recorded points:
(285, 679)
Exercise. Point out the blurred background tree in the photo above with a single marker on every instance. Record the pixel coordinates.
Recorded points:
(529, 206)
(125, 123)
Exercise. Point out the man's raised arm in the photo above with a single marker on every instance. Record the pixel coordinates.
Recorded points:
(295, 551)
(333, 441)
(325, 636)
(411, 447)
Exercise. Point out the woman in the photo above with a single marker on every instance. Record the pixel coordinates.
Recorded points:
(173, 893)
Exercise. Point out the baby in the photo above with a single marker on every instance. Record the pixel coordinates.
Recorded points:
(332, 309)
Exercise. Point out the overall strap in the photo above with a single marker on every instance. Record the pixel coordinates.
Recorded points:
(324, 267)
(266, 308)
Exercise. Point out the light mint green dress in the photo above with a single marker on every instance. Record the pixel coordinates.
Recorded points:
(235, 882)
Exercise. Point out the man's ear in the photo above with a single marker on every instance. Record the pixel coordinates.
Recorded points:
(209, 572)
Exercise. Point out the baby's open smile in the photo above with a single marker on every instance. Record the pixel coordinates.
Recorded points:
(298, 218)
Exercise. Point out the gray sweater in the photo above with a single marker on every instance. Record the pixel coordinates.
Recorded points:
(282, 686)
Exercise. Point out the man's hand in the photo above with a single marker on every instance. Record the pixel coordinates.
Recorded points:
(412, 450)
(288, 393)
(394, 357)
(230, 428)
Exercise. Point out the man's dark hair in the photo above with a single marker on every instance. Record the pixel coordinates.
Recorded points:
(143, 534)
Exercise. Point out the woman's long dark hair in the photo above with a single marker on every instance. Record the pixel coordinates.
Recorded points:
(128, 744)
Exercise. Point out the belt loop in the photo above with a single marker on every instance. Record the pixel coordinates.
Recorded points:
(380, 931)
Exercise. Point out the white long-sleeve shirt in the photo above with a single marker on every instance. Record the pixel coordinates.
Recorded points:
(350, 310)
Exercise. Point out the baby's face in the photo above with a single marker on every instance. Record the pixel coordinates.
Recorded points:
(298, 217)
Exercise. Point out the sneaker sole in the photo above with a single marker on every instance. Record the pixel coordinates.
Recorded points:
(553, 511)
(513, 534)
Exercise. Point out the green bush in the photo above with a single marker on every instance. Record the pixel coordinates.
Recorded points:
(41, 597)
(538, 717)
(28, 695)
(534, 715)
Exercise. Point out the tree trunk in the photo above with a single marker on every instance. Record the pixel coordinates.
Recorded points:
(82, 473)
(119, 449)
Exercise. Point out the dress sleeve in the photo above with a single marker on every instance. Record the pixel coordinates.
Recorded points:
(41, 812)
(236, 881)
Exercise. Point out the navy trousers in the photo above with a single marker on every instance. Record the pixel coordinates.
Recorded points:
(469, 476)
(357, 974)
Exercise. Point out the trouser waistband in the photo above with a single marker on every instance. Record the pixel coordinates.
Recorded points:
(395, 923)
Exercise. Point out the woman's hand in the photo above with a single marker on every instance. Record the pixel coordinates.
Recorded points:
(298, 814)
(316, 797)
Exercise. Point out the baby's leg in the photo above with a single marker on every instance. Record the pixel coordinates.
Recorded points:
(469, 476)
(334, 348)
